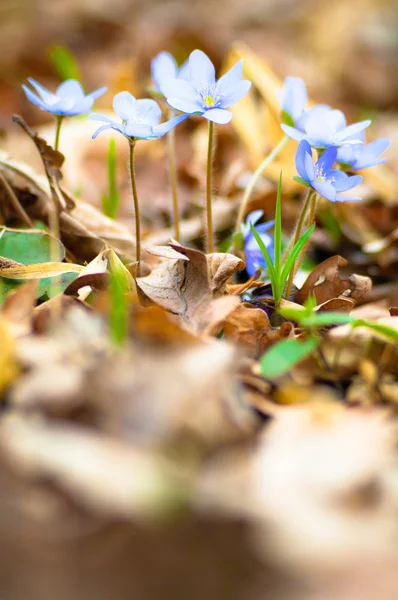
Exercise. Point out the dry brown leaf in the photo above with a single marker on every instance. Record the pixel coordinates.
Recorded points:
(8, 364)
(250, 327)
(10, 269)
(325, 283)
(18, 307)
(189, 286)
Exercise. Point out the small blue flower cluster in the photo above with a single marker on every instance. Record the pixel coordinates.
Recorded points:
(193, 90)
(326, 130)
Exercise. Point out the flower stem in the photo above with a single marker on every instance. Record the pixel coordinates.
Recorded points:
(210, 245)
(136, 206)
(173, 178)
(311, 220)
(299, 227)
(249, 189)
(310, 200)
(58, 131)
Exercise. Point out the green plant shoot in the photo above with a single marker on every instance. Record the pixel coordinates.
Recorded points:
(277, 272)
(64, 62)
(111, 201)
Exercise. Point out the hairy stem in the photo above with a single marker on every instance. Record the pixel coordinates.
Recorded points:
(210, 244)
(310, 200)
(299, 226)
(136, 206)
(173, 178)
(249, 189)
(58, 131)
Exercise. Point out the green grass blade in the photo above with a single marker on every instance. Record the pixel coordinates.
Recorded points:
(110, 203)
(381, 328)
(64, 62)
(291, 259)
(278, 230)
(268, 260)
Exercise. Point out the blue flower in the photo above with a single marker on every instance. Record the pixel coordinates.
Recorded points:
(359, 156)
(68, 101)
(139, 118)
(321, 177)
(199, 92)
(164, 69)
(254, 256)
(294, 99)
(322, 127)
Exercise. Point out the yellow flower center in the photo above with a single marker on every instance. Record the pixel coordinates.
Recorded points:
(209, 101)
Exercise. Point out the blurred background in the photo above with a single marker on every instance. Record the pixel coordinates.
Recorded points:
(345, 51)
(68, 548)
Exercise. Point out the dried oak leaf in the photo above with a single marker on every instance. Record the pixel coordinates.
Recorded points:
(52, 159)
(192, 285)
(325, 283)
(250, 327)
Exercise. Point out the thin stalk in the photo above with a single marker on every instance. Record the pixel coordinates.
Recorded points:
(58, 131)
(173, 178)
(136, 206)
(299, 227)
(249, 189)
(210, 244)
(311, 220)
(295, 267)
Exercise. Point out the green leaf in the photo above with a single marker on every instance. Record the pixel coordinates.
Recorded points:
(301, 180)
(64, 62)
(278, 232)
(238, 240)
(287, 119)
(284, 355)
(29, 248)
(291, 259)
(271, 269)
(120, 283)
(293, 314)
(385, 330)
(110, 203)
(325, 319)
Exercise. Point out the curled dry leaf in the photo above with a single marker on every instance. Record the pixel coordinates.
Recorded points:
(325, 283)
(250, 327)
(192, 285)
(18, 308)
(84, 229)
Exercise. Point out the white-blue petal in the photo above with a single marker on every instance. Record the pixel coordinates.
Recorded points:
(201, 69)
(70, 89)
(163, 68)
(149, 111)
(303, 150)
(124, 105)
(33, 98)
(325, 189)
(44, 94)
(163, 128)
(218, 115)
(294, 97)
(241, 88)
(319, 130)
(293, 133)
(97, 93)
(347, 183)
(328, 158)
(349, 132)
